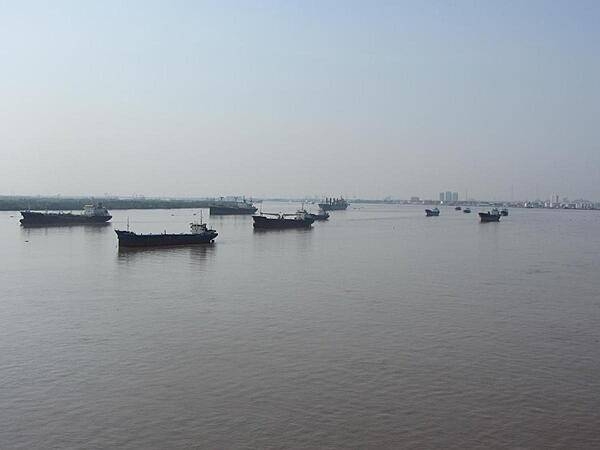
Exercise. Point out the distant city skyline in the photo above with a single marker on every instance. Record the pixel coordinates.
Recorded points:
(291, 99)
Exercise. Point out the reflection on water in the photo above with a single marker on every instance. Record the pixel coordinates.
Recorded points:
(92, 226)
(196, 254)
(204, 249)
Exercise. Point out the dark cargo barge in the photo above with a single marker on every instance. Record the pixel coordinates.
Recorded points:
(232, 207)
(200, 234)
(278, 221)
(91, 214)
(334, 204)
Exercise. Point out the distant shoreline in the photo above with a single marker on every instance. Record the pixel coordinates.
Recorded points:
(10, 203)
(42, 203)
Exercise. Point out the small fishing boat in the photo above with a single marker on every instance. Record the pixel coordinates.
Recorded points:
(458, 208)
(490, 216)
(467, 210)
(432, 212)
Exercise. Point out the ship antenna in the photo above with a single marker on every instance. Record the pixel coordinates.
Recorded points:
(127, 223)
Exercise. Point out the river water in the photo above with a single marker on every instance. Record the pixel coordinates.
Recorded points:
(378, 329)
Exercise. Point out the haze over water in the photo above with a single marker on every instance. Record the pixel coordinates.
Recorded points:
(379, 329)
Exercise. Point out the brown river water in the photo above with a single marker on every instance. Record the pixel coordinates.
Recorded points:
(381, 328)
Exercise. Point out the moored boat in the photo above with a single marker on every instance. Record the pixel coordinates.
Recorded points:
(334, 204)
(432, 212)
(300, 219)
(232, 207)
(319, 216)
(467, 210)
(199, 234)
(458, 208)
(91, 214)
(490, 216)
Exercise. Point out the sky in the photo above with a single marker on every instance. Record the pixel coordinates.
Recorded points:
(500, 99)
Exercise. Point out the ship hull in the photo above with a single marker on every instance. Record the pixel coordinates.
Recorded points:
(38, 218)
(487, 217)
(226, 211)
(320, 217)
(333, 207)
(267, 223)
(130, 239)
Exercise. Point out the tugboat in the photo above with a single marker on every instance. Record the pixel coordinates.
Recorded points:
(199, 234)
(490, 216)
(91, 214)
(278, 221)
(232, 207)
(334, 204)
(504, 212)
(432, 212)
(467, 210)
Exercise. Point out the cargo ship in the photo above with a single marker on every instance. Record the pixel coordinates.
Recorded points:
(232, 207)
(334, 204)
(91, 214)
(490, 216)
(199, 234)
(279, 221)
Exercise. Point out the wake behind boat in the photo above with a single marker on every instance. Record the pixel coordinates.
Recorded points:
(199, 234)
(91, 214)
(279, 221)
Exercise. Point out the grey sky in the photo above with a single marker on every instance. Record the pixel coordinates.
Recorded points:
(300, 98)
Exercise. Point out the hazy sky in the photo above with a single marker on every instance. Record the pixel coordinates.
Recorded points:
(369, 99)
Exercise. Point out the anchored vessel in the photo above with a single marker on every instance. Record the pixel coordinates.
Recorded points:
(321, 215)
(334, 204)
(232, 207)
(432, 212)
(490, 216)
(199, 234)
(301, 219)
(91, 214)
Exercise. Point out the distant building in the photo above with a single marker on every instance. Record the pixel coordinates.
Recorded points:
(455, 196)
(448, 196)
(415, 199)
(441, 196)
